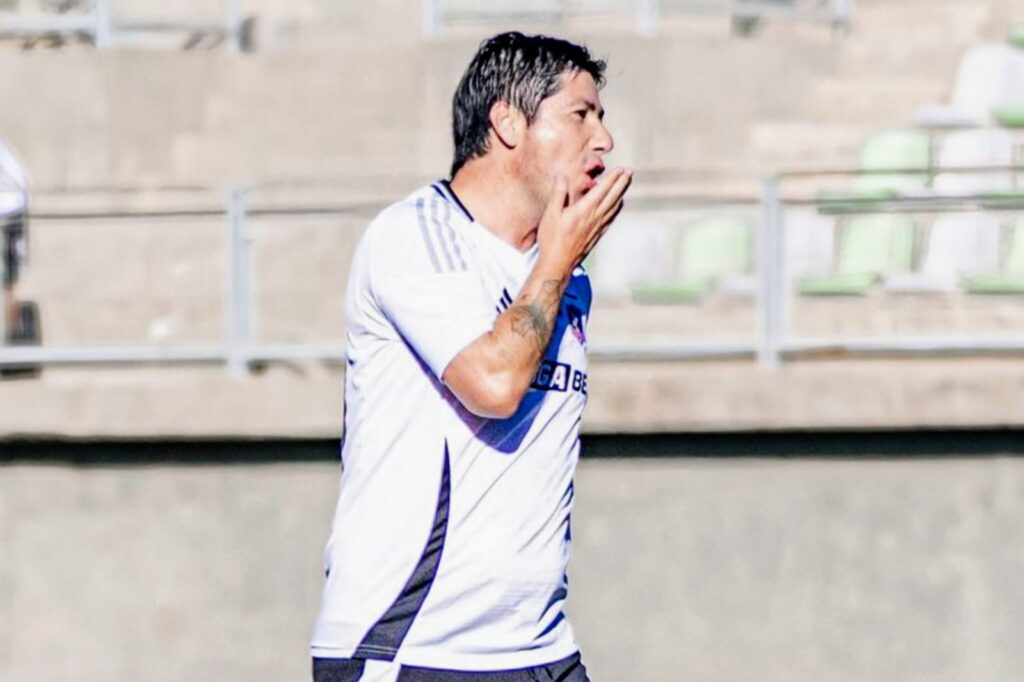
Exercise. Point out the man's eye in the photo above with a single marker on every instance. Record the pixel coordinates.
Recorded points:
(582, 113)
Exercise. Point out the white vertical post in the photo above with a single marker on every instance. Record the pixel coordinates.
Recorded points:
(233, 24)
(432, 22)
(647, 17)
(101, 13)
(238, 321)
(771, 270)
(842, 16)
(4, 302)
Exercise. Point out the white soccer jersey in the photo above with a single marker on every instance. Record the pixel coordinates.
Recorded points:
(451, 535)
(12, 183)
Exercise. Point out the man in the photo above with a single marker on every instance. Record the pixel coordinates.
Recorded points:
(465, 385)
(13, 202)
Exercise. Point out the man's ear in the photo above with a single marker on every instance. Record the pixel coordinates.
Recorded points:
(508, 124)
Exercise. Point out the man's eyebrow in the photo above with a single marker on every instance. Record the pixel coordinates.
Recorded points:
(590, 106)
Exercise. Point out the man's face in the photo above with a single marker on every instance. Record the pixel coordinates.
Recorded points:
(567, 138)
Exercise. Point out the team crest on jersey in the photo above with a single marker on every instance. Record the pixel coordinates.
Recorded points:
(577, 323)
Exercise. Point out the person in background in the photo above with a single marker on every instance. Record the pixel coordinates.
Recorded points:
(18, 320)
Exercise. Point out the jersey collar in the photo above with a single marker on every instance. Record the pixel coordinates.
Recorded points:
(444, 188)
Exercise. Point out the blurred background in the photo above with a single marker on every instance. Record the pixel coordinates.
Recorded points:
(803, 440)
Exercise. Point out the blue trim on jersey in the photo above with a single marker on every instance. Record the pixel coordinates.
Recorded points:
(337, 669)
(382, 641)
(559, 617)
(449, 194)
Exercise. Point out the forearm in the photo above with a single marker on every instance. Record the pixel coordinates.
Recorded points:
(522, 333)
(492, 374)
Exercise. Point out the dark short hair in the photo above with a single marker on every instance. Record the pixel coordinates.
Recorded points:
(515, 68)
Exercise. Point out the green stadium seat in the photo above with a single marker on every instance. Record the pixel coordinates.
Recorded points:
(895, 150)
(871, 246)
(1010, 117)
(710, 251)
(1016, 36)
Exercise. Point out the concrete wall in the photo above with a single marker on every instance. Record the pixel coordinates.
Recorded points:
(344, 92)
(350, 88)
(683, 569)
(300, 400)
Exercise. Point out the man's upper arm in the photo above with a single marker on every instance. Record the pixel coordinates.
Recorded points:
(425, 284)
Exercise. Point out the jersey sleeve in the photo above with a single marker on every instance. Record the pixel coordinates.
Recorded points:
(424, 280)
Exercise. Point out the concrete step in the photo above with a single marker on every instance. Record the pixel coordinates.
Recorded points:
(807, 143)
(884, 101)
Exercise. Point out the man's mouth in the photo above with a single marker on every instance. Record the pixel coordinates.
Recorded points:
(592, 173)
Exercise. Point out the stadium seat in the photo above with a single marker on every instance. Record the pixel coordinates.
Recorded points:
(870, 248)
(873, 245)
(961, 244)
(1010, 113)
(895, 149)
(810, 242)
(1010, 117)
(989, 88)
(639, 246)
(980, 148)
(967, 243)
(1011, 279)
(713, 253)
(1016, 36)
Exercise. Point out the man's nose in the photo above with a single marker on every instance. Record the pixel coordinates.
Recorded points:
(602, 140)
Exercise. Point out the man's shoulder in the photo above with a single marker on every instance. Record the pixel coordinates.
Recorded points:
(419, 212)
(414, 232)
(403, 214)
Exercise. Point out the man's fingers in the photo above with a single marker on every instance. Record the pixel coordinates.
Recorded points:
(593, 198)
(615, 192)
(595, 210)
(616, 210)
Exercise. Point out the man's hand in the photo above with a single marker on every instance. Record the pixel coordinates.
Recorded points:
(492, 374)
(567, 233)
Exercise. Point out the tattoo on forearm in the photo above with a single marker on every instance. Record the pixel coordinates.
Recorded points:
(536, 318)
(528, 320)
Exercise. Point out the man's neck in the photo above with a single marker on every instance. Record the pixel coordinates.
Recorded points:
(498, 201)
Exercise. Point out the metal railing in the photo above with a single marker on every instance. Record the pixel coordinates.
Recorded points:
(777, 343)
(93, 20)
(237, 349)
(773, 343)
(647, 15)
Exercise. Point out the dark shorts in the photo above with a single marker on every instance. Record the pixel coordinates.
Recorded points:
(351, 670)
(12, 231)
